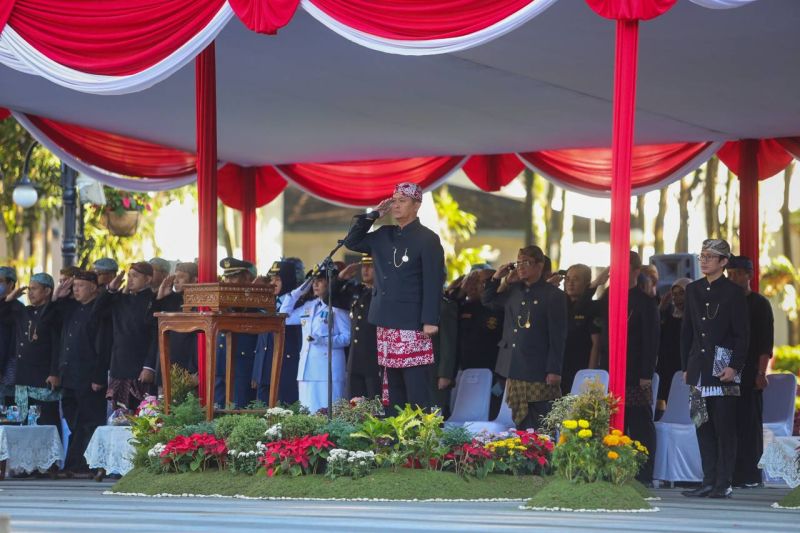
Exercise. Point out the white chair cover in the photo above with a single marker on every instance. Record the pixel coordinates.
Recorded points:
(588, 374)
(778, 411)
(503, 421)
(472, 399)
(677, 453)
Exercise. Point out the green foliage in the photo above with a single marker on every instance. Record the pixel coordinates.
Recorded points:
(781, 279)
(349, 463)
(456, 436)
(182, 383)
(120, 201)
(294, 427)
(199, 428)
(357, 410)
(786, 359)
(600, 495)
(592, 404)
(248, 431)
(186, 413)
(340, 433)
(226, 424)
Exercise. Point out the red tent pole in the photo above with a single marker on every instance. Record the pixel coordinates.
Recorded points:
(249, 214)
(206, 117)
(622, 153)
(749, 234)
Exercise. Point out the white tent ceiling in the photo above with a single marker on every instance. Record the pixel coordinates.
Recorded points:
(308, 95)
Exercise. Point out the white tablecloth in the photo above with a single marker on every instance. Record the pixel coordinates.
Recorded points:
(29, 448)
(110, 449)
(780, 459)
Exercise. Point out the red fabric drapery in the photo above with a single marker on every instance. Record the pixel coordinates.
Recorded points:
(365, 183)
(771, 156)
(420, 19)
(116, 153)
(791, 145)
(268, 185)
(111, 37)
(492, 172)
(630, 9)
(206, 133)
(591, 168)
(265, 16)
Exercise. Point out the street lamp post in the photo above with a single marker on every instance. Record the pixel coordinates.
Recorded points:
(25, 196)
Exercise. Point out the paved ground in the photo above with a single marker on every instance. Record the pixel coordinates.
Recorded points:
(80, 506)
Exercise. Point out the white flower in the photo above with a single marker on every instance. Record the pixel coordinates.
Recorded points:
(278, 412)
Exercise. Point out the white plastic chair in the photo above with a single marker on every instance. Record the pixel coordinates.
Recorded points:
(656, 383)
(454, 391)
(472, 399)
(503, 421)
(588, 374)
(778, 410)
(677, 451)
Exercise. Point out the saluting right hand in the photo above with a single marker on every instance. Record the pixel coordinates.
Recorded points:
(384, 206)
(116, 283)
(165, 288)
(349, 272)
(62, 291)
(15, 294)
(503, 271)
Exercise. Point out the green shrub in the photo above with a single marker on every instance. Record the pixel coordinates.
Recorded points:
(786, 359)
(186, 413)
(182, 382)
(200, 428)
(248, 431)
(456, 436)
(297, 426)
(225, 424)
(340, 431)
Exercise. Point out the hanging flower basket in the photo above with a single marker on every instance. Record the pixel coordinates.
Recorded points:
(121, 224)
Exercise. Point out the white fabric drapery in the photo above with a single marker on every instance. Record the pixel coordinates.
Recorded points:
(721, 4)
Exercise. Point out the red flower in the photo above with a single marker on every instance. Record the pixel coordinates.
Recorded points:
(126, 202)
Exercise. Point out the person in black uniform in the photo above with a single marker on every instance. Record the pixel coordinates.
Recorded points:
(84, 372)
(583, 335)
(409, 277)
(36, 341)
(669, 348)
(480, 329)
(445, 351)
(750, 404)
(8, 363)
(239, 272)
(182, 346)
(363, 373)
(531, 352)
(283, 278)
(133, 353)
(714, 339)
(643, 337)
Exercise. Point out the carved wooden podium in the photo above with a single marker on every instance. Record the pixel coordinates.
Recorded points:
(216, 299)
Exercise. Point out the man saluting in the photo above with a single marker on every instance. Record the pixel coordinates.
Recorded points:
(409, 274)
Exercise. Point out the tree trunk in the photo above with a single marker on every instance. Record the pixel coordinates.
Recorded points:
(226, 235)
(682, 241)
(710, 198)
(556, 226)
(527, 214)
(637, 222)
(47, 261)
(658, 225)
(549, 215)
(786, 237)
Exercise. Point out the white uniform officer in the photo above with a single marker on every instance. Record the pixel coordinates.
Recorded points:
(312, 316)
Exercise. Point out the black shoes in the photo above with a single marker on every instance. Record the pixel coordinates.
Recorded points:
(700, 492)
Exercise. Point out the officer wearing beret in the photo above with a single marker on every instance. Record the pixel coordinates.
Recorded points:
(161, 269)
(106, 269)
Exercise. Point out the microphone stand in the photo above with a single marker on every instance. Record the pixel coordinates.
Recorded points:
(328, 265)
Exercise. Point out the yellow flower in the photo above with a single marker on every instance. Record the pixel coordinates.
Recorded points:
(510, 452)
(562, 439)
(583, 423)
(642, 449)
(611, 440)
(585, 433)
(625, 440)
(616, 432)
(570, 424)
(613, 456)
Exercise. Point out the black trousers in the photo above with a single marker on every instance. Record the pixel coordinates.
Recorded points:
(83, 411)
(361, 385)
(750, 436)
(639, 426)
(536, 412)
(411, 386)
(717, 440)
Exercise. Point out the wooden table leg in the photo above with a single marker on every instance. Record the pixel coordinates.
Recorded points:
(230, 370)
(163, 348)
(211, 370)
(277, 366)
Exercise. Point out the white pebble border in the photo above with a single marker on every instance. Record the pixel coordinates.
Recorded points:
(568, 510)
(776, 505)
(283, 498)
(653, 499)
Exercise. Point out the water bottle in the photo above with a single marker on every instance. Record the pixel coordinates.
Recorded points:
(31, 419)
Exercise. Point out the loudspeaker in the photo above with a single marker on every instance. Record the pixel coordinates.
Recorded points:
(674, 266)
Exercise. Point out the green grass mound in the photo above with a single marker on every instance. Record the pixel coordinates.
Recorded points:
(792, 499)
(384, 484)
(563, 494)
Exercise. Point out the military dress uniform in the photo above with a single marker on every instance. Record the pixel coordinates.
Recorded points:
(363, 373)
(534, 335)
(715, 319)
(312, 373)
(409, 276)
